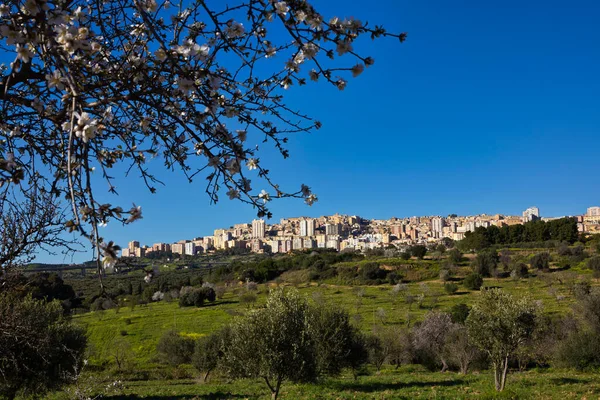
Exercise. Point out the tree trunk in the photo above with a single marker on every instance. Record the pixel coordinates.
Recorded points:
(464, 367)
(444, 366)
(206, 375)
(277, 387)
(504, 373)
(497, 370)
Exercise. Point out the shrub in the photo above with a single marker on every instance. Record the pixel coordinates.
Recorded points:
(175, 349)
(520, 270)
(196, 297)
(594, 264)
(40, 349)
(208, 351)
(418, 251)
(372, 272)
(248, 297)
(580, 350)
(540, 261)
(451, 288)
(405, 255)
(455, 256)
(485, 263)
(459, 313)
(444, 275)
(473, 281)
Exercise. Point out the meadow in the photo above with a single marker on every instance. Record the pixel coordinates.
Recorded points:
(129, 335)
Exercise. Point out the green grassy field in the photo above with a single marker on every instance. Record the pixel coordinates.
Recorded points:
(134, 333)
(409, 382)
(142, 327)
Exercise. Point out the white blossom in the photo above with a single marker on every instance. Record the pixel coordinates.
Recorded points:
(281, 8)
(235, 30)
(23, 53)
(252, 163)
(55, 80)
(135, 213)
(311, 199)
(264, 196)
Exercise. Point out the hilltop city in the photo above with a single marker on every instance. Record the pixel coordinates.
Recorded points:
(341, 232)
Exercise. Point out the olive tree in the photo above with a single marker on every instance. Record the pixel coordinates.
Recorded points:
(95, 89)
(40, 349)
(499, 324)
(273, 343)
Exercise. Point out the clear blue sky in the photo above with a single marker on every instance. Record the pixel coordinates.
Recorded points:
(488, 107)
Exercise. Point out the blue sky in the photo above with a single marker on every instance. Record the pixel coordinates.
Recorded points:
(488, 107)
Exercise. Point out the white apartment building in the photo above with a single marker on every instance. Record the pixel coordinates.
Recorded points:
(258, 229)
(531, 214)
(307, 227)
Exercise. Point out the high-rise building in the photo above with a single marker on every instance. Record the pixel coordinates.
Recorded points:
(190, 249)
(258, 228)
(307, 227)
(218, 239)
(531, 214)
(332, 229)
(437, 227)
(593, 212)
(178, 248)
(134, 244)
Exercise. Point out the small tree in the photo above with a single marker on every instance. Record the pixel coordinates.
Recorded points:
(450, 287)
(485, 263)
(209, 351)
(541, 261)
(273, 343)
(431, 335)
(418, 251)
(333, 336)
(473, 281)
(39, 348)
(498, 324)
(174, 348)
(459, 348)
(455, 256)
(594, 264)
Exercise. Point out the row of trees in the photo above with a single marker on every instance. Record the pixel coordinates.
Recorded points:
(560, 230)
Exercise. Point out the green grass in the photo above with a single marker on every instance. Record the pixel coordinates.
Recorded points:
(410, 382)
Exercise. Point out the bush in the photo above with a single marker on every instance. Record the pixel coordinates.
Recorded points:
(520, 270)
(459, 313)
(594, 264)
(405, 255)
(444, 275)
(580, 350)
(196, 297)
(455, 256)
(40, 349)
(473, 281)
(451, 288)
(418, 251)
(175, 349)
(540, 261)
(485, 263)
(371, 272)
(208, 351)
